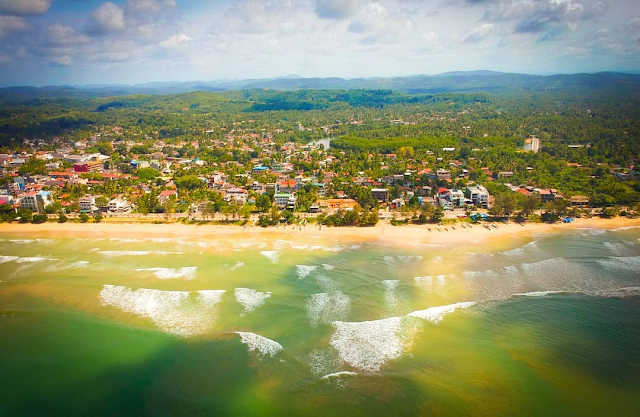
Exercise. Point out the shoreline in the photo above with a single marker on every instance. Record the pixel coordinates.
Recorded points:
(408, 234)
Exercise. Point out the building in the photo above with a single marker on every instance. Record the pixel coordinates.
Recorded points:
(381, 194)
(478, 195)
(341, 203)
(580, 201)
(532, 144)
(87, 204)
(36, 201)
(281, 199)
(505, 174)
(549, 195)
(443, 174)
(118, 205)
(236, 196)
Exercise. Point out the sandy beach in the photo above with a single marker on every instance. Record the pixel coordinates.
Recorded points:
(409, 234)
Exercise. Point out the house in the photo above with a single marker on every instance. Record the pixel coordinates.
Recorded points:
(580, 201)
(36, 201)
(281, 199)
(478, 195)
(236, 196)
(166, 195)
(505, 174)
(549, 195)
(118, 205)
(443, 174)
(315, 208)
(381, 194)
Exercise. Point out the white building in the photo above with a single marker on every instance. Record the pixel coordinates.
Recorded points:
(118, 205)
(36, 201)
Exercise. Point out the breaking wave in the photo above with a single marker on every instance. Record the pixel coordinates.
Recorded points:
(250, 299)
(304, 270)
(187, 272)
(113, 253)
(325, 308)
(271, 255)
(175, 312)
(368, 345)
(436, 314)
(260, 344)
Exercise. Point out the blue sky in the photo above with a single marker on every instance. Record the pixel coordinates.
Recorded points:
(51, 42)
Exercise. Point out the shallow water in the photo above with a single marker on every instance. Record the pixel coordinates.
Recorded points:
(545, 325)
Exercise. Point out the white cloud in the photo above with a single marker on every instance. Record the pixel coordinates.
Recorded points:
(61, 61)
(107, 18)
(24, 7)
(337, 9)
(58, 34)
(378, 24)
(177, 40)
(479, 33)
(9, 24)
(149, 6)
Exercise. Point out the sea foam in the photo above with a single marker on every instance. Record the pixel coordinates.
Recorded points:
(187, 272)
(260, 344)
(368, 345)
(304, 270)
(326, 308)
(113, 253)
(172, 311)
(250, 299)
(436, 314)
(272, 255)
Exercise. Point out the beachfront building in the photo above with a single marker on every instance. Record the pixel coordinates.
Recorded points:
(281, 199)
(580, 201)
(236, 196)
(382, 194)
(36, 201)
(118, 205)
(478, 195)
(87, 204)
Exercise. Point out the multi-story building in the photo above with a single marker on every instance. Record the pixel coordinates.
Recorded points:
(87, 204)
(118, 205)
(382, 194)
(281, 199)
(478, 195)
(35, 201)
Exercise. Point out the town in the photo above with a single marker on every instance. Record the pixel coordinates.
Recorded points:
(257, 180)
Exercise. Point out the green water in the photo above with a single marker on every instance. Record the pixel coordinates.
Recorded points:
(98, 326)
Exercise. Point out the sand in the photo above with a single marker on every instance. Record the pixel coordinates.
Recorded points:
(383, 232)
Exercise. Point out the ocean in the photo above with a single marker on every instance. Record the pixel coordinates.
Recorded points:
(532, 325)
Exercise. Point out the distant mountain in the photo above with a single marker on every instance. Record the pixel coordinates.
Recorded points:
(449, 82)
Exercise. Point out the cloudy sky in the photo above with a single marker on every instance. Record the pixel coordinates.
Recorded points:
(47, 42)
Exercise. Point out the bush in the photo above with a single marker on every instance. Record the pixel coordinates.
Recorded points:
(98, 218)
(39, 218)
(83, 218)
(62, 218)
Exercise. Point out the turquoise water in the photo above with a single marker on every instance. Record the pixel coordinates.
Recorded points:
(537, 325)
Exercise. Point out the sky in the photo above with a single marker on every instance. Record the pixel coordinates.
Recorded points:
(80, 42)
